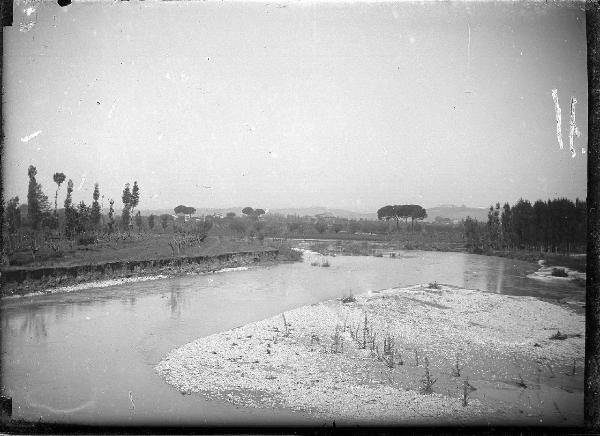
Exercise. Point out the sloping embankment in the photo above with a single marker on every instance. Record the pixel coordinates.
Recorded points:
(20, 281)
(334, 360)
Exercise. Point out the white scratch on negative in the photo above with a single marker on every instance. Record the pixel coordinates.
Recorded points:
(28, 22)
(573, 130)
(558, 118)
(469, 48)
(85, 405)
(112, 109)
(30, 137)
(82, 182)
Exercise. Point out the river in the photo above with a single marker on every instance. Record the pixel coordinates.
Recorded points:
(88, 357)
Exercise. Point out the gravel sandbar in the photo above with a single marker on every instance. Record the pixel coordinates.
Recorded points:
(333, 360)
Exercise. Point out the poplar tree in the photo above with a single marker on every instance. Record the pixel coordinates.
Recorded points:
(13, 215)
(111, 216)
(58, 178)
(33, 207)
(38, 208)
(95, 210)
(70, 212)
(126, 214)
(138, 220)
(135, 196)
(83, 217)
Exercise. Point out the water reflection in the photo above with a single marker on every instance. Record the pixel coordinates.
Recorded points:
(62, 311)
(176, 299)
(34, 325)
(500, 278)
(129, 301)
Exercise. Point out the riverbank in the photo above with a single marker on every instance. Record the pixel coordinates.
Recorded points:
(491, 359)
(31, 280)
(378, 248)
(574, 262)
(117, 247)
(388, 248)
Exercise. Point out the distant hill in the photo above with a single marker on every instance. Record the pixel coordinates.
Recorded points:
(199, 211)
(456, 212)
(312, 211)
(445, 211)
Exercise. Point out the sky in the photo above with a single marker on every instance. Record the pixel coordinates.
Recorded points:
(344, 105)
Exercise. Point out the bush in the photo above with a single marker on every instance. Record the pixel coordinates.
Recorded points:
(559, 272)
(86, 239)
(427, 381)
(321, 227)
(349, 299)
(558, 336)
(287, 253)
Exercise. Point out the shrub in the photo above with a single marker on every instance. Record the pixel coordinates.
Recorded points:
(433, 285)
(321, 227)
(427, 381)
(288, 253)
(558, 336)
(86, 239)
(521, 383)
(349, 299)
(456, 369)
(338, 341)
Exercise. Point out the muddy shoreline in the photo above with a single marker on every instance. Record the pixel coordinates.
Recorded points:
(31, 280)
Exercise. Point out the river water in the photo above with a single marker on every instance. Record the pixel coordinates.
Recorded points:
(88, 357)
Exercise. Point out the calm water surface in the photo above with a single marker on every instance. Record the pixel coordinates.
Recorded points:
(88, 357)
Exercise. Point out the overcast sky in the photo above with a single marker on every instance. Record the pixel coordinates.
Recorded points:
(218, 104)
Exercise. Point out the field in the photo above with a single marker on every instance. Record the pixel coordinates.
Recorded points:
(123, 247)
(128, 257)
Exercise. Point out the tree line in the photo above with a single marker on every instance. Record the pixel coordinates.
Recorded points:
(553, 225)
(78, 218)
